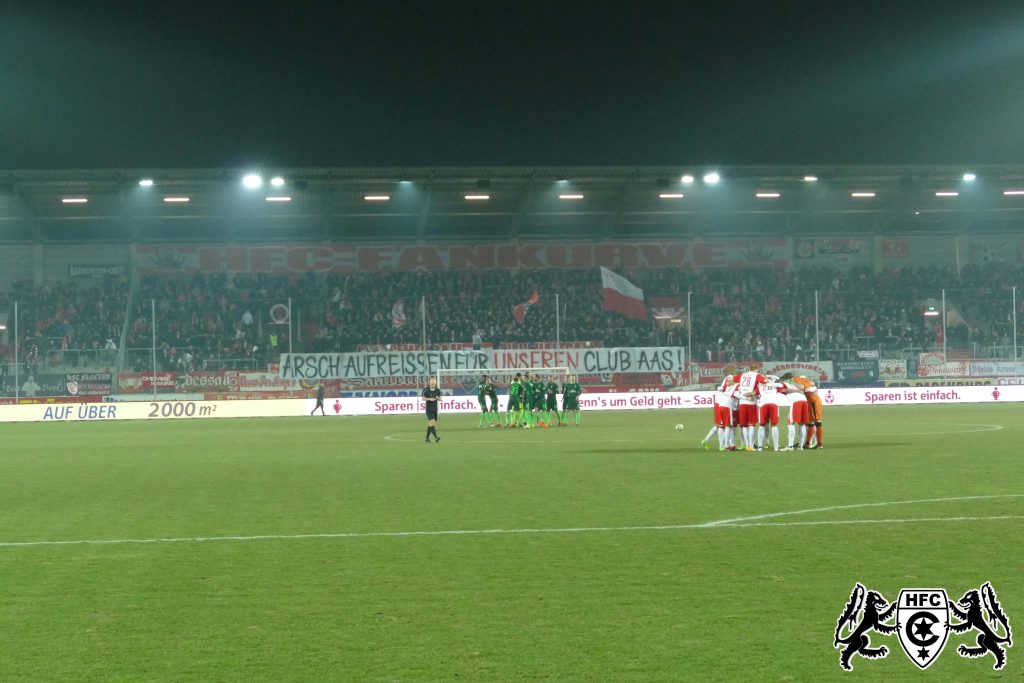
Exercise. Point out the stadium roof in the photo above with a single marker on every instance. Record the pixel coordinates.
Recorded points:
(485, 203)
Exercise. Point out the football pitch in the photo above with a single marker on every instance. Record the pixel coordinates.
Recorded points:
(346, 549)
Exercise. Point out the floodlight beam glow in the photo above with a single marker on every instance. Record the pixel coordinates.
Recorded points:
(277, 181)
(712, 178)
(252, 181)
(146, 182)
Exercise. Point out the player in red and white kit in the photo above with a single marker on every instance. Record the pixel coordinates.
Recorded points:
(724, 422)
(749, 384)
(798, 415)
(768, 411)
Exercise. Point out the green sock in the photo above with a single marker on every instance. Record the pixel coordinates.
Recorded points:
(577, 417)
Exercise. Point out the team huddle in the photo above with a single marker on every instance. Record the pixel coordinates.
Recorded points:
(748, 403)
(532, 402)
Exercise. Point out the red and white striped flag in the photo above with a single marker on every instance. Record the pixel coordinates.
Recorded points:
(519, 310)
(622, 296)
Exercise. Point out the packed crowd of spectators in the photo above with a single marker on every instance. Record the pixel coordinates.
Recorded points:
(211, 321)
(229, 321)
(66, 325)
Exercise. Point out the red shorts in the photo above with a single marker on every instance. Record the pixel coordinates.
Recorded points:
(769, 413)
(748, 415)
(723, 416)
(798, 413)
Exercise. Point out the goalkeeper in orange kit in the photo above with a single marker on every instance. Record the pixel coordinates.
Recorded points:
(813, 412)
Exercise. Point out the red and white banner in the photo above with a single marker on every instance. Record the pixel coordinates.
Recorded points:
(580, 361)
(138, 382)
(956, 368)
(205, 382)
(266, 381)
(622, 296)
(816, 371)
(762, 252)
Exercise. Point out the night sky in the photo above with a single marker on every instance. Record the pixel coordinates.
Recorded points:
(181, 84)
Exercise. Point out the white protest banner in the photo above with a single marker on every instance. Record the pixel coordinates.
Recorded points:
(315, 366)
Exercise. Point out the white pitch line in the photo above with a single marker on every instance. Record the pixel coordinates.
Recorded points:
(857, 506)
(739, 522)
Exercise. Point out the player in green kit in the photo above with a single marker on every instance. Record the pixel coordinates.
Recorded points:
(527, 402)
(571, 391)
(538, 401)
(483, 389)
(515, 395)
(551, 404)
(495, 416)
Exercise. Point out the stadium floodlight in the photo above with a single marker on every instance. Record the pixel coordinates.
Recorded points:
(687, 179)
(811, 178)
(862, 195)
(377, 197)
(74, 200)
(671, 195)
(1013, 193)
(146, 182)
(947, 194)
(969, 177)
(277, 181)
(252, 181)
(570, 196)
(279, 198)
(477, 197)
(177, 200)
(767, 195)
(931, 312)
(712, 178)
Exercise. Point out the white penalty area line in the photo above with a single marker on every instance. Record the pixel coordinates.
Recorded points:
(739, 522)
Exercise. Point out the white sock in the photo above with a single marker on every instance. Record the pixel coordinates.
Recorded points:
(801, 431)
(775, 436)
(760, 437)
(723, 440)
(792, 433)
(711, 434)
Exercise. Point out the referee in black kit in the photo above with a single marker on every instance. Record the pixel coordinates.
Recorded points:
(432, 398)
(319, 399)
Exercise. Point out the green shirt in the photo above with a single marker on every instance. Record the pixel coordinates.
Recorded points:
(528, 389)
(515, 389)
(552, 389)
(571, 390)
(484, 389)
(538, 391)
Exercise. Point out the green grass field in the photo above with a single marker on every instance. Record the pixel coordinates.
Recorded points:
(556, 587)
